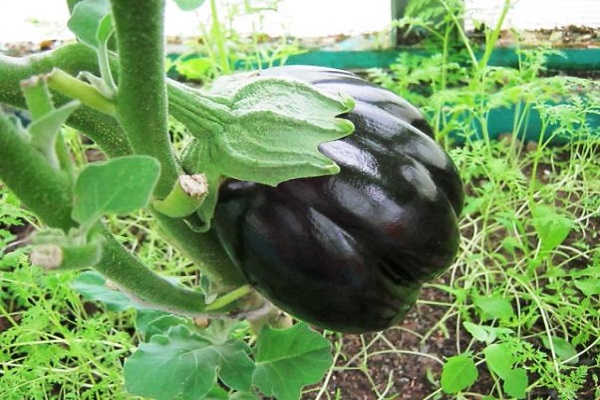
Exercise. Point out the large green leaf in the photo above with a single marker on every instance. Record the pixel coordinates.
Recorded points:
(119, 186)
(150, 322)
(185, 365)
(287, 360)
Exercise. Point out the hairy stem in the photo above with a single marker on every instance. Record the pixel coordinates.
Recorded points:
(70, 86)
(143, 285)
(203, 249)
(44, 190)
(101, 128)
(142, 110)
(47, 193)
(142, 94)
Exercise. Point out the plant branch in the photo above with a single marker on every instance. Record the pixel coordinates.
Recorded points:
(101, 128)
(70, 86)
(44, 190)
(142, 110)
(203, 249)
(142, 94)
(47, 193)
(143, 285)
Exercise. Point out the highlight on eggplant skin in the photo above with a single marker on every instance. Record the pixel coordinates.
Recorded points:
(349, 252)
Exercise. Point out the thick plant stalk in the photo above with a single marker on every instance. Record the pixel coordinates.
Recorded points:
(142, 111)
(142, 94)
(47, 193)
(44, 190)
(101, 128)
(203, 249)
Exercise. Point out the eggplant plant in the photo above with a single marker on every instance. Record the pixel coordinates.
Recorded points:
(323, 193)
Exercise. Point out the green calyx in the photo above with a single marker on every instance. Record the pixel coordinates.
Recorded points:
(252, 128)
(265, 130)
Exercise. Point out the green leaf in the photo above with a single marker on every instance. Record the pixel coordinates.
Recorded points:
(91, 22)
(287, 360)
(51, 123)
(189, 5)
(494, 306)
(479, 332)
(552, 228)
(563, 349)
(217, 393)
(92, 286)
(152, 322)
(119, 186)
(515, 383)
(185, 365)
(105, 29)
(499, 358)
(194, 68)
(589, 287)
(485, 333)
(45, 129)
(458, 373)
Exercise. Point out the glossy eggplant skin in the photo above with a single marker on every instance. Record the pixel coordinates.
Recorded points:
(349, 252)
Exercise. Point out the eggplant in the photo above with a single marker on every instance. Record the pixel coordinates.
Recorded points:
(349, 252)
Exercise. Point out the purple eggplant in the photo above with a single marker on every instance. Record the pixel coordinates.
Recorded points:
(349, 252)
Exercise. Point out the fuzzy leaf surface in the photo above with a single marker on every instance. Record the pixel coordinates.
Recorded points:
(118, 186)
(289, 359)
(185, 365)
(266, 130)
(91, 22)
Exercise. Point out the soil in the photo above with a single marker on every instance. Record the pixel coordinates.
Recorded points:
(409, 374)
